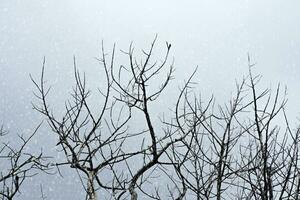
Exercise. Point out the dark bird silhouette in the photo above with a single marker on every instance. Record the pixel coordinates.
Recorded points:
(168, 45)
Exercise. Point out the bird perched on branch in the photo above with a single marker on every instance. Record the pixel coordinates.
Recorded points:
(168, 45)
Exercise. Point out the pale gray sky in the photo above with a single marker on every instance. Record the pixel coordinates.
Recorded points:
(215, 35)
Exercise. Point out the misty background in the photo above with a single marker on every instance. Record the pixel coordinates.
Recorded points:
(214, 35)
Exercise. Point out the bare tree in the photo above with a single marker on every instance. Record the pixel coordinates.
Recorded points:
(206, 156)
(91, 143)
(270, 155)
(204, 151)
(238, 151)
(138, 92)
(17, 164)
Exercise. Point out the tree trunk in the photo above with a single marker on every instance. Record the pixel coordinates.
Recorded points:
(90, 187)
(133, 193)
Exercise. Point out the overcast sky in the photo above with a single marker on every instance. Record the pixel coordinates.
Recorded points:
(215, 35)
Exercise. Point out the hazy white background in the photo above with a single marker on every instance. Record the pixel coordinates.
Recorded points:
(215, 35)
